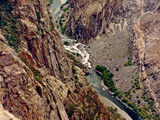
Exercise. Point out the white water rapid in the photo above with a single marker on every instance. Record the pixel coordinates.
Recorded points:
(77, 47)
(74, 46)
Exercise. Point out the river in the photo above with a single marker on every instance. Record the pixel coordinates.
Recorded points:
(95, 81)
(93, 78)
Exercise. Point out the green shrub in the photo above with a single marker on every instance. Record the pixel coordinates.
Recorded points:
(124, 100)
(52, 28)
(50, 2)
(76, 77)
(63, 29)
(77, 54)
(74, 71)
(128, 63)
(66, 9)
(100, 68)
(67, 2)
(67, 33)
(37, 74)
(117, 69)
(70, 110)
(66, 43)
(8, 24)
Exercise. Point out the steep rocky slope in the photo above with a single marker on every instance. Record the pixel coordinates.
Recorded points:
(5, 115)
(131, 30)
(89, 18)
(37, 79)
(147, 36)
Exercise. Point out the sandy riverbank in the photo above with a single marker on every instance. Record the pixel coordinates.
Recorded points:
(63, 1)
(109, 103)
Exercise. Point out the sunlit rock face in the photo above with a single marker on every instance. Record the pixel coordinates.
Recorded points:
(5, 115)
(89, 18)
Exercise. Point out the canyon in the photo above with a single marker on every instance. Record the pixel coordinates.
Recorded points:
(38, 78)
(42, 77)
(124, 37)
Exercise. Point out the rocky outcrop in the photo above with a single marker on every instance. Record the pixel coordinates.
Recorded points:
(41, 45)
(5, 115)
(22, 95)
(89, 18)
(147, 36)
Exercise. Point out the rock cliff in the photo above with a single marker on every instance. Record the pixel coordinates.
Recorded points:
(89, 18)
(37, 79)
(5, 115)
(147, 36)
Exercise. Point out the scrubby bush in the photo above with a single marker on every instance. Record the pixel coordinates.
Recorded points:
(63, 29)
(66, 43)
(74, 71)
(50, 2)
(128, 63)
(70, 110)
(117, 69)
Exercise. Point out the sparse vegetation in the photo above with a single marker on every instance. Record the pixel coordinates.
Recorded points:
(66, 9)
(76, 78)
(143, 112)
(37, 74)
(66, 43)
(70, 110)
(117, 68)
(67, 2)
(8, 25)
(77, 54)
(63, 29)
(77, 63)
(50, 2)
(114, 113)
(74, 71)
(128, 63)
(107, 78)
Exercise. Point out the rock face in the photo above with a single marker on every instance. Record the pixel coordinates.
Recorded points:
(22, 95)
(36, 77)
(89, 18)
(147, 37)
(5, 115)
(41, 39)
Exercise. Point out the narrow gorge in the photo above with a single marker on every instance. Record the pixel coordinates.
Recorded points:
(39, 80)
(79, 59)
(122, 35)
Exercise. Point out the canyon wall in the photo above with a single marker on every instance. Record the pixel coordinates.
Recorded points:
(89, 18)
(146, 49)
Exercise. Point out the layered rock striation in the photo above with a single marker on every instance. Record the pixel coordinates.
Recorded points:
(146, 44)
(89, 18)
